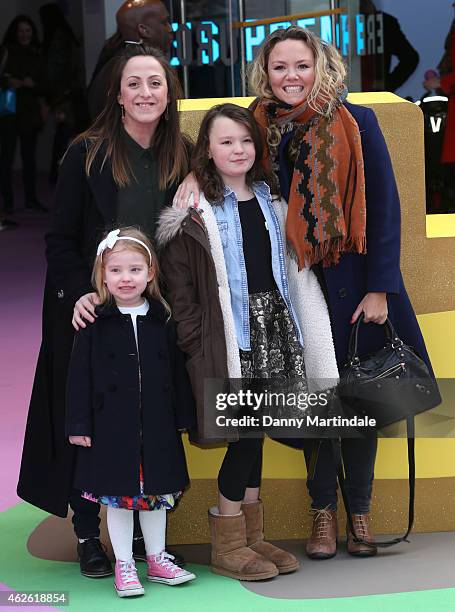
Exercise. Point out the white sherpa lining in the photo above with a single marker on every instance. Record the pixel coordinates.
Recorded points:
(232, 348)
(312, 313)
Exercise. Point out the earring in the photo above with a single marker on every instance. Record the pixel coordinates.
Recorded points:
(166, 113)
(122, 110)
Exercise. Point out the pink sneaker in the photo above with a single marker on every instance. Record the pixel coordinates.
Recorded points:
(126, 582)
(161, 569)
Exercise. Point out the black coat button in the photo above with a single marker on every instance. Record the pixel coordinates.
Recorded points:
(112, 388)
(342, 293)
(166, 388)
(160, 354)
(111, 355)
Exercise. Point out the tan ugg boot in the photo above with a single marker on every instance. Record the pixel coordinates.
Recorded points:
(254, 518)
(230, 555)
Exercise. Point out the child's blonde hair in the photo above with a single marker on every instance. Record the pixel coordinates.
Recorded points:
(153, 288)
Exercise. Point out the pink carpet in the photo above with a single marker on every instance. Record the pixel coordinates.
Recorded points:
(22, 266)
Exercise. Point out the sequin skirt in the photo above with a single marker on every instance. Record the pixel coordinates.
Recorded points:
(275, 348)
(137, 502)
(275, 364)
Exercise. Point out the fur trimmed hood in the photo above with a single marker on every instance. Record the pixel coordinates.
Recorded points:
(170, 224)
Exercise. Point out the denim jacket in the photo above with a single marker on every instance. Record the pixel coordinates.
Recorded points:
(228, 219)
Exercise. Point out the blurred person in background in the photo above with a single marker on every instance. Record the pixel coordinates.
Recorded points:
(64, 80)
(446, 83)
(24, 72)
(383, 77)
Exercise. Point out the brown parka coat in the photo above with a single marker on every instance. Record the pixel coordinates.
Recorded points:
(191, 287)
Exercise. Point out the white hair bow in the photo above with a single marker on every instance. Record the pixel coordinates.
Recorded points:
(111, 239)
(108, 242)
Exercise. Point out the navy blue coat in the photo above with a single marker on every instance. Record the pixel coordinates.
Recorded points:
(132, 419)
(379, 270)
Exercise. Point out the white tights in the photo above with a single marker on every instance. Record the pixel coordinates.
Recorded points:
(120, 527)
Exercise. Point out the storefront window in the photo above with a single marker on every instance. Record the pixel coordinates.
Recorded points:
(216, 40)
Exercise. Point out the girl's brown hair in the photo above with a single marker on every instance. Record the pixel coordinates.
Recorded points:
(152, 290)
(106, 131)
(205, 171)
(329, 69)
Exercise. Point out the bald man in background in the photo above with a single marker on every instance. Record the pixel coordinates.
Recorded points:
(141, 21)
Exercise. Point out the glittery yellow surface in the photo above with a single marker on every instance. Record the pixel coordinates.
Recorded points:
(286, 505)
(428, 265)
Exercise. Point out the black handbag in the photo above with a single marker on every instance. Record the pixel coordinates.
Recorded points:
(390, 385)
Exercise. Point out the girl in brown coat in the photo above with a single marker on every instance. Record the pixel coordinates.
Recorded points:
(242, 311)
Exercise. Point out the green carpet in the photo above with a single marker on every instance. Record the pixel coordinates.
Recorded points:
(209, 593)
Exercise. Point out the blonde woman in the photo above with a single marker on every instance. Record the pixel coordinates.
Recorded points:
(334, 169)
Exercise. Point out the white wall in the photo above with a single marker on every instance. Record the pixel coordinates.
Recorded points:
(425, 24)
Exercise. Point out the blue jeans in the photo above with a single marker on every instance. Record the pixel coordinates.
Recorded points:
(359, 456)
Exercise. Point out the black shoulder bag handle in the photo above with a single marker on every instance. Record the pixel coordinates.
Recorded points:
(337, 453)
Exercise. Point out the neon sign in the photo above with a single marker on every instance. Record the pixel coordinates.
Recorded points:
(207, 42)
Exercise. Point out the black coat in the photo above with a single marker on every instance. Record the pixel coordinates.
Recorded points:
(85, 208)
(131, 418)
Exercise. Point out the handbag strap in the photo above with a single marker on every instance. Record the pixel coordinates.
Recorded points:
(388, 328)
(337, 455)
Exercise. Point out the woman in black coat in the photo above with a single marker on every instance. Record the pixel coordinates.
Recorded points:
(121, 171)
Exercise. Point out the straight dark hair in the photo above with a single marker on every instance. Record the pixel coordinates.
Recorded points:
(106, 131)
(205, 171)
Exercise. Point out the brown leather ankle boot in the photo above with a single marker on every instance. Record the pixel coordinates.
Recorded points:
(362, 530)
(254, 518)
(230, 555)
(323, 540)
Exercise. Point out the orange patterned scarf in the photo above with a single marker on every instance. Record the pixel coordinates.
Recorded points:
(326, 208)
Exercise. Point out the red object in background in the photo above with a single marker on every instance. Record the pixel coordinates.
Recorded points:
(448, 86)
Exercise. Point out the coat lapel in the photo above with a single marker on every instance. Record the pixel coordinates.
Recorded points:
(104, 189)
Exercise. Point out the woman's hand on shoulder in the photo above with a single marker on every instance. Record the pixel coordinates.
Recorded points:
(80, 440)
(374, 308)
(182, 197)
(84, 310)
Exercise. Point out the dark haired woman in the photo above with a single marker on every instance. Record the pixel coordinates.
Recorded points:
(121, 171)
(23, 71)
(242, 311)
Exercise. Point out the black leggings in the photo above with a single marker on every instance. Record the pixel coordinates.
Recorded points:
(241, 468)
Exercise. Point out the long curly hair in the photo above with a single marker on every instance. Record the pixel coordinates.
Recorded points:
(204, 169)
(329, 69)
(106, 131)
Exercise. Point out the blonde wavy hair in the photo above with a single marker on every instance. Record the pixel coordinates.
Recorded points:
(152, 290)
(329, 69)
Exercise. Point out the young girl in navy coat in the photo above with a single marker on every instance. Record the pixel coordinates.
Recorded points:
(127, 397)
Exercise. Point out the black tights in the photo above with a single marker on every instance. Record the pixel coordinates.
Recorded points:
(241, 468)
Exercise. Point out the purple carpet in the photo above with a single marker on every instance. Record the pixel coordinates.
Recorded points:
(22, 266)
